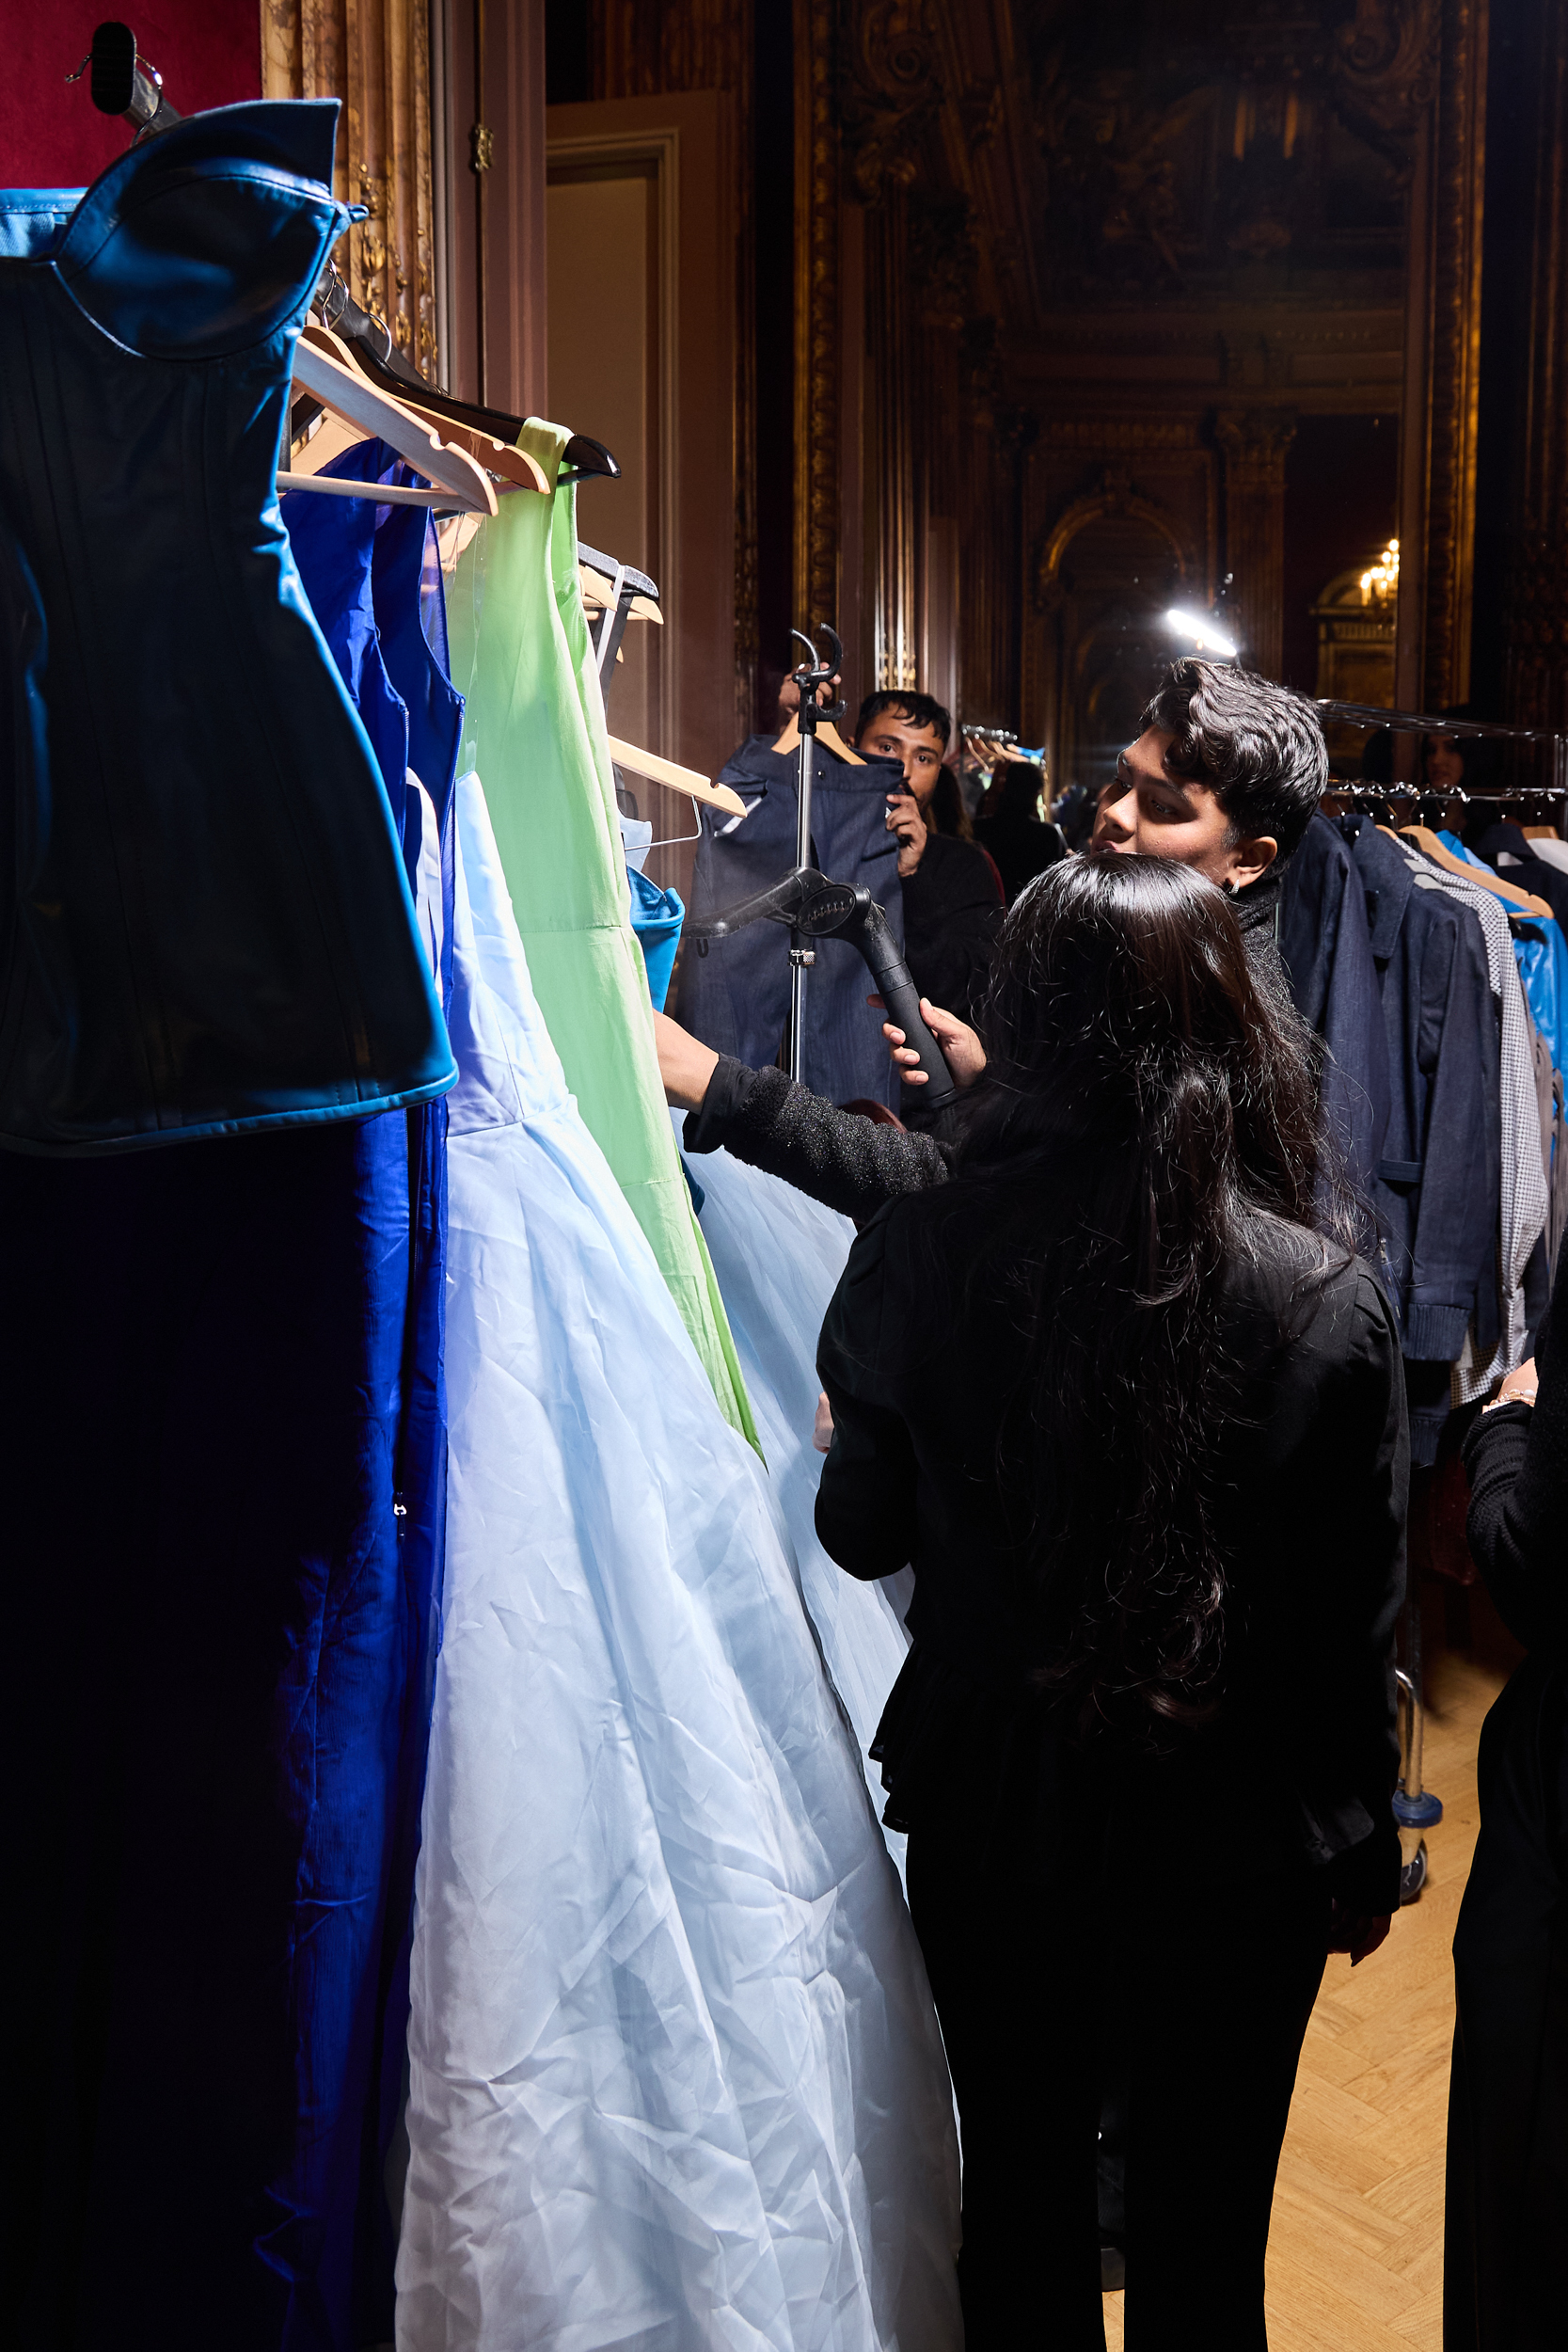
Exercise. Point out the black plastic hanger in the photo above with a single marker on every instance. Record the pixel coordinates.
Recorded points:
(385, 364)
(124, 84)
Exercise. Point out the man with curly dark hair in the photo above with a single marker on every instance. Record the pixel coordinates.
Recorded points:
(1226, 777)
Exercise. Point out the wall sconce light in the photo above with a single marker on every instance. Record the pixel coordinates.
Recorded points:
(1381, 583)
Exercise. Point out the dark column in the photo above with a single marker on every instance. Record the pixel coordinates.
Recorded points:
(1253, 444)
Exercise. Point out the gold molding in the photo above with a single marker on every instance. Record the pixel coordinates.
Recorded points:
(1385, 67)
(891, 91)
(1455, 361)
(374, 54)
(816, 320)
(1536, 612)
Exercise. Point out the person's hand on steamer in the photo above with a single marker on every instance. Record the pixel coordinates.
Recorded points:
(686, 1064)
(961, 1050)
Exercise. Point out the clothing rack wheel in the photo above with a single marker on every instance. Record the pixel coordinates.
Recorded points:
(1416, 1809)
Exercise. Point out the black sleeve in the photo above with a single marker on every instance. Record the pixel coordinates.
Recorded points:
(866, 1503)
(1324, 1676)
(1363, 1590)
(951, 917)
(1517, 1460)
(845, 1161)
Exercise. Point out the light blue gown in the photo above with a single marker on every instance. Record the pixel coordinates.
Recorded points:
(778, 1257)
(675, 2080)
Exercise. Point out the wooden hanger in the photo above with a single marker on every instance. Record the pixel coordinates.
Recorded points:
(678, 779)
(455, 476)
(1427, 841)
(827, 735)
(514, 466)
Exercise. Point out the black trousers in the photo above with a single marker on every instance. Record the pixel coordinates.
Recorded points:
(1505, 2280)
(1210, 1988)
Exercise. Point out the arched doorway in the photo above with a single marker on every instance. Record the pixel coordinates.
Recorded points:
(1111, 570)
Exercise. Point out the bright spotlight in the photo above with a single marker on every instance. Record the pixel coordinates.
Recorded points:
(1206, 638)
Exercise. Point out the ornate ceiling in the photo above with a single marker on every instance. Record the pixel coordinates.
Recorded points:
(1066, 155)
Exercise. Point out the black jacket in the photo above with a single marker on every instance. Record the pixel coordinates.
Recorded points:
(1518, 1461)
(1327, 951)
(1301, 1763)
(1022, 846)
(952, 915)
(1438, 1179)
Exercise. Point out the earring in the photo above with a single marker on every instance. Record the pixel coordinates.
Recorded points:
(1228, 887)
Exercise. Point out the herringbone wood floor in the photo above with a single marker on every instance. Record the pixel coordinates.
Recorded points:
(1355, 2252)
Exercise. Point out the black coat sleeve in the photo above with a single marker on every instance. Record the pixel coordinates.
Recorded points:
(866, 1503)
(848, 1161)
(1517, 1460)
(1349, 1619)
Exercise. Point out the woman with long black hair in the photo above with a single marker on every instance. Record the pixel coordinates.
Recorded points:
(1140, 1427)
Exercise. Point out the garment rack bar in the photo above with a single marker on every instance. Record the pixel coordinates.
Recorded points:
(1418, 723)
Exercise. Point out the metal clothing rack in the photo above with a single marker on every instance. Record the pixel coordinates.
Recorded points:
(1461, 730)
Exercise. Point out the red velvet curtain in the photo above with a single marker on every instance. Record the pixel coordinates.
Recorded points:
(208, 53)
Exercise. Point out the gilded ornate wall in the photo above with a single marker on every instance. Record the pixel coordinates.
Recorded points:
(1536, 620)
(374, 54)
(1062, 281)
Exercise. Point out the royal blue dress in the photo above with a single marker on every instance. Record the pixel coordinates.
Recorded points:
(219, 1407)
(373, 578)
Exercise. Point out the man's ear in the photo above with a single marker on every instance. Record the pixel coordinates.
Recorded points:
(1250, 860)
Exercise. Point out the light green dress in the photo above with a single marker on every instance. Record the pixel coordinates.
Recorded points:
(534, 729)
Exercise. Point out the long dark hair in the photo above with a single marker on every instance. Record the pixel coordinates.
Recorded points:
(1143, 1124)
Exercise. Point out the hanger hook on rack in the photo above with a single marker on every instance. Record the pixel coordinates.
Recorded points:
(331, 292)
(124, 84)
(818, 673)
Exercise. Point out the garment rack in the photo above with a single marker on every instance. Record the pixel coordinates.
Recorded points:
(1489, 730)
(1416, 1809)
